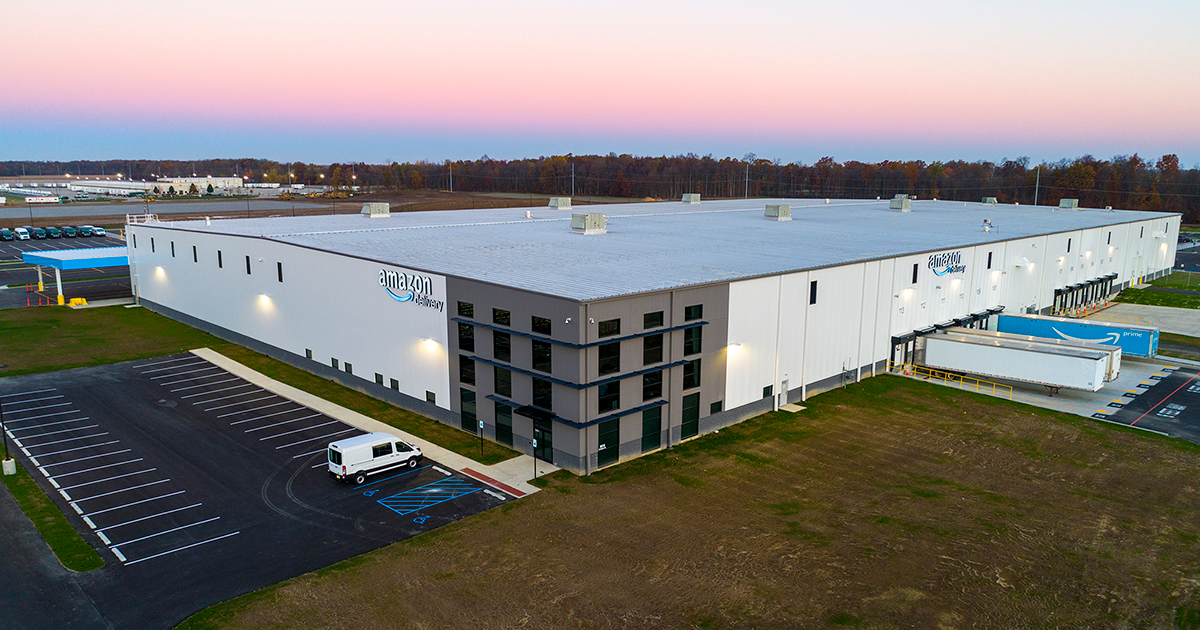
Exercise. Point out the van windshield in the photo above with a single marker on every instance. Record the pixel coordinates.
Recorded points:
(335, 457)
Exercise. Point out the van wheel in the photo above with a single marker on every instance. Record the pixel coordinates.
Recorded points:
(359, 478)
(412, 463)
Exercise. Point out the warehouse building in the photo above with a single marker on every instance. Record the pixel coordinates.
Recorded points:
(587, 339)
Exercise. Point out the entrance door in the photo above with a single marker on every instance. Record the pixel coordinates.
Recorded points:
(608, 452)
(544, 435)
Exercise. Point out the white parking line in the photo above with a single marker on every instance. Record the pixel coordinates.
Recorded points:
(173, 367)
(47, 415)
(119, 507)
(66, 404)
(21, 402)
(88, 483)
(315, 439)
(271, 415)
(146, 518)
(309, 453)
(82, 437)
(72, 461)
(184, 389)
(48, 424)
(77, 449)
(243, 402)
(196, 378)
(217, 391)
(204, 369)
(187, 358)
(181, 548)
(38, 426)
(268, 426)
(35, 391)
(98, 468)
(300, 430)
(175, 529)
(234, 413)
(120, 491)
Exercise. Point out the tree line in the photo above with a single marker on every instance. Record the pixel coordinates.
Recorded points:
(1125, 182)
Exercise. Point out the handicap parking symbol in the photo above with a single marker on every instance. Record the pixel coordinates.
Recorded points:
(420, 520)
(370, 493)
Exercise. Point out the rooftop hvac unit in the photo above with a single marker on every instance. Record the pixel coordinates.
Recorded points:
(987, 225)
(1068, 204)
(691, 198)
(990, 201)
(900, 203)
(589, 223)
(562, 203)
(377, 210)
(778, 212)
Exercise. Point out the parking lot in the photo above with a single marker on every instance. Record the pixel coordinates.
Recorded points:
(197, 486)
(21, 279)
(1167, 403)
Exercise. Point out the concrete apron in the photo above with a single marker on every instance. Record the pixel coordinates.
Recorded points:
(510, 476)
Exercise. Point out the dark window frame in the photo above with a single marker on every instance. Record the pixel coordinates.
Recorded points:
(501, 317)
(608, 397)
(248, 266)
(812, 292)
(502, 381)
(540, 325)
(543, 394)
(608, 358)
(652, 385)
(543, 355)
(649, 319)
(691, 374)
(608, 328)
(466, 370)
(466, 309)
(693, 340)
(279, 269)
(466, 337)
(649, 351)
(693, 312)
(501, 346)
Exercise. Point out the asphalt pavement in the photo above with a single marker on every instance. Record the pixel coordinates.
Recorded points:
(1168, 404)
(195, 486)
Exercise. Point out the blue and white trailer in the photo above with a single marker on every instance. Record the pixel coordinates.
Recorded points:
(1134, 340)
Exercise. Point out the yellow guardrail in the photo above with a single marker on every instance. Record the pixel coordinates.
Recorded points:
(963, 382)
(1120, 319)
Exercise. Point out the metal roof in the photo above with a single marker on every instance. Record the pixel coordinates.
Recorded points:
(80, 258)
(659, 245)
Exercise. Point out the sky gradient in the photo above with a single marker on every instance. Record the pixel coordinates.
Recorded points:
(384, 80)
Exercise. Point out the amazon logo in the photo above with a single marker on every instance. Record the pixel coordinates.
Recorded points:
(405, 287)
(950, 262)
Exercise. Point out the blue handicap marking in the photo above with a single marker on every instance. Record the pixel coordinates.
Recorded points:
(428, 495)
(370, 493)
(421, 519)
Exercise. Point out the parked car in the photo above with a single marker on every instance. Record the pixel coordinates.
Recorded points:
(38, 233)
(68, 231)
(97, 231)
(21, 233)
(84, 230)
(353, 459)
(6, 234)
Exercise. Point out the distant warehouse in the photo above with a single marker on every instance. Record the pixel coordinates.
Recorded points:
(603, 335)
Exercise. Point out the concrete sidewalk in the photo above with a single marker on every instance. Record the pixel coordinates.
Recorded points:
(510, 476)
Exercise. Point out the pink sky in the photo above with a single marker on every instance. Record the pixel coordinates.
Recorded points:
(793, 80)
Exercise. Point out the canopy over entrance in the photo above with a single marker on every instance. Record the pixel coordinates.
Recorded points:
(82, 258)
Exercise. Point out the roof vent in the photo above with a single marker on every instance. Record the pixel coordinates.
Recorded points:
(900, 203)
(778, 212)
(592, 223)
(562, 203)
(377, 210)
(1068, 204)
(989, 201)
(987, 225)
(691, 198)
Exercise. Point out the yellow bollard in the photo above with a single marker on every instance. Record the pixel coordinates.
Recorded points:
(60, 300)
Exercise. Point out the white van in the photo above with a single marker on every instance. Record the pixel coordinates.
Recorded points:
(21, 233)
(353, 459)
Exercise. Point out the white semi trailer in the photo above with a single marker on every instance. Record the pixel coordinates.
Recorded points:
(1055, 368)
(1114, 352)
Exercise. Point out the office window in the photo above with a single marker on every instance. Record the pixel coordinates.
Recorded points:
(395, 384)
(691, 340)
(466, 337)
(652, 385)
(247, 265)
(540, 325)
(195, 255)
(812, 292)
(349, 368)
(334, 363)
(609, 327)
(430, 397)
(541, 356)
(466, 370)
(151, 244)
(691, 374)
(715, 407)
(279, 269)
(914, 280)
(504, 424)
(1068, 246)
(134, 240)
(543, 394)
(1109, 239)
(651, 429)
(467, 403)
(503, 381)
(610, 397)
(652, 349)
(308, 354)
(768, 390)
(1141, 233)
(466, 309)
(652, 320)
(172, 249)
(610, 358)
(378, 378)
(220, 260)
(989, 263)
(691, 416)
(696, 311)
(501, 317)
(501, 346)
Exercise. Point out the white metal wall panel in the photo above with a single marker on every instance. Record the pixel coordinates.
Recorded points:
(833, 325)
(753, 327)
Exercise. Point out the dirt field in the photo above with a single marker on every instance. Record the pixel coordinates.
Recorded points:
(891, 504)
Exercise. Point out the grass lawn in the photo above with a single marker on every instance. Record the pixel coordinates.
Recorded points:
(47, 339)
(889, 504)
(1179, 280)
(64, 541)
(1158, 298)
